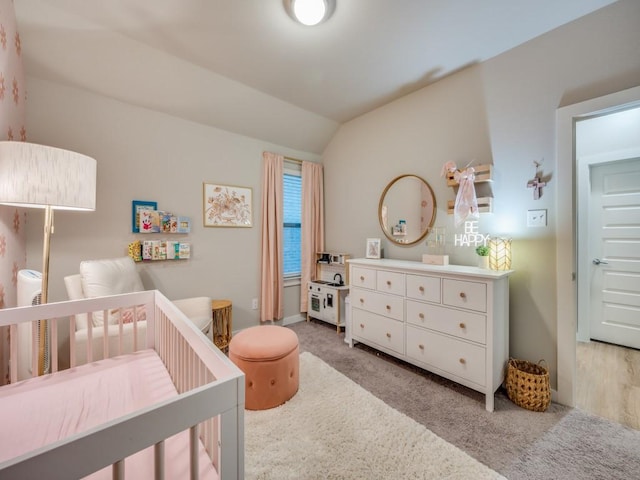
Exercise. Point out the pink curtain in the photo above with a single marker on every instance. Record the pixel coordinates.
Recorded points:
(12, 127)
(271, 282)
(312, 235)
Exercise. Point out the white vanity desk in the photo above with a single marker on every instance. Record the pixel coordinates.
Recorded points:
(451, 320)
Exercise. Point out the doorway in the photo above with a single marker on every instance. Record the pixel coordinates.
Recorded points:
(571, 228)
(608, 240)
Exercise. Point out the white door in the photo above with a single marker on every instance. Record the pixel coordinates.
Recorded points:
(614, 251)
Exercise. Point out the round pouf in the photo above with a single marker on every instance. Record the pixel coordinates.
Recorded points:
(268, 356)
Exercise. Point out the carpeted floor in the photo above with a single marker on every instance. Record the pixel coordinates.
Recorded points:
(561, 443)
(334, 429)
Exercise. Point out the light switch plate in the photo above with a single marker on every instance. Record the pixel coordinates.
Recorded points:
(537, 218)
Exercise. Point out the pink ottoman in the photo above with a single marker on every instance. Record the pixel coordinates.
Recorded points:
(268, 356)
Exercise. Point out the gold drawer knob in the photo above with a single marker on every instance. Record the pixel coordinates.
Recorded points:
(421, 316)
(463, 295)
(421, 347)
(462, 361)
(388, 335)
(462, 325)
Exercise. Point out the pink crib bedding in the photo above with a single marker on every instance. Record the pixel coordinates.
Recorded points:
(39, 411)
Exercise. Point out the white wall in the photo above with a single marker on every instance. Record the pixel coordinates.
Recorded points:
(144, 155)
(502, 112)
(614, 135)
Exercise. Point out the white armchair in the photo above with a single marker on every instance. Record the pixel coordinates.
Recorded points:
(115, 276)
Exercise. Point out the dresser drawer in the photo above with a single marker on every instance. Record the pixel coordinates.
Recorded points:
(466, 325)
(465, 294)
(424, 288)
(363, 277)
(381, 304)
(455, 357)
(379, 330)
(390, 282)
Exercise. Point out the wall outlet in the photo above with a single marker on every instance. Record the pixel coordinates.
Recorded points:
(254, 304)
(537, 218)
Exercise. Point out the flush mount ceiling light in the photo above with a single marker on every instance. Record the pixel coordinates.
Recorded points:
(310, 12)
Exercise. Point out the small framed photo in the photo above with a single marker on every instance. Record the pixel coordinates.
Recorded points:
(226, 206)
(138, 206)
(373, 248)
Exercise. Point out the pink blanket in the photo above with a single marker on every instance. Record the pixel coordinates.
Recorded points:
(38, 411)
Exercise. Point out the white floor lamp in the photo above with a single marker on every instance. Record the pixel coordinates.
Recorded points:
(39, 176)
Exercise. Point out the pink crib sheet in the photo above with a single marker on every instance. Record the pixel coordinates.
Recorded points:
(39, 411)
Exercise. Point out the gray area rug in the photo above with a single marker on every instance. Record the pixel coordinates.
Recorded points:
(333, 428)
(561, 443)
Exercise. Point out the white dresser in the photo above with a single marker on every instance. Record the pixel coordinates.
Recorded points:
(451, 320)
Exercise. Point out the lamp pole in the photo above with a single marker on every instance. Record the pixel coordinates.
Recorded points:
(42, 325)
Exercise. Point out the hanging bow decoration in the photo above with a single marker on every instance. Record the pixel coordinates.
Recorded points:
(466, 205)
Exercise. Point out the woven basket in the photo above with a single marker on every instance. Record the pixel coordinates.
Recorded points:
(528, 384)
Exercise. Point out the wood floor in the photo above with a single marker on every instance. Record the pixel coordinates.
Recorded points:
(608, 382)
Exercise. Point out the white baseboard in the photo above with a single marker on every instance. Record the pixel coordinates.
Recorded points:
(301, 317)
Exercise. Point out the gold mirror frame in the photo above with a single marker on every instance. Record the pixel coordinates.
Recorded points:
(425, 195)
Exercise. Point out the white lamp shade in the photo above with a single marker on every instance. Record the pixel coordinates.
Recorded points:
(37, 176)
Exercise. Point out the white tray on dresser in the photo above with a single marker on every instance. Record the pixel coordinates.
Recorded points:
(449, 319)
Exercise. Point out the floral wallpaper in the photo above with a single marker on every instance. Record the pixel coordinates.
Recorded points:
(12, 127)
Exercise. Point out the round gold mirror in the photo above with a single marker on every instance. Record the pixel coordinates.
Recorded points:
(407, 210)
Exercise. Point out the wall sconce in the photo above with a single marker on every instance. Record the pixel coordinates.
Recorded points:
(500, 254)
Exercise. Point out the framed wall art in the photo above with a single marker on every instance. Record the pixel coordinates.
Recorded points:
(373, 248)
(227, 206)
(136, 207)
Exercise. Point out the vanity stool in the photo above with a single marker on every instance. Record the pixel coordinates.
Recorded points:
(268, 356)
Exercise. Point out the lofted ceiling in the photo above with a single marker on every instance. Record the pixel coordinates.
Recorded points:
(246, 67)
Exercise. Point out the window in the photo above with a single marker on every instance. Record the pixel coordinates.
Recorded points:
(292, 215)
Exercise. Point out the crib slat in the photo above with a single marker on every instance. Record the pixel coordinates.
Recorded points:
(117, 470)
(120, 334)
(105, 334)
(34, 348)
(53, 346)
(193, 452)
(72, 341)
(158, 460)
(13, 353)
(89, 346)
(135, 327)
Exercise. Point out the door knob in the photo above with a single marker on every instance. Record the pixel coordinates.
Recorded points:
(597, 261)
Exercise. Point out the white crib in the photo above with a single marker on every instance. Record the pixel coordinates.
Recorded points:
(207, 403)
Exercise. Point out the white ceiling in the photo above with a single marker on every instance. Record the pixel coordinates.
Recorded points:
(245, 66)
